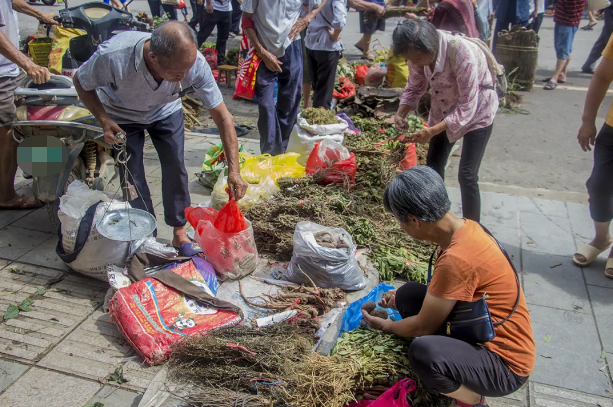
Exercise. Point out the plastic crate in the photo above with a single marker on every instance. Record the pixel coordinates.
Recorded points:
(39, 51)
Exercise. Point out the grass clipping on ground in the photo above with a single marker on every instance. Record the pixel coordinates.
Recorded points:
(359, 210)
(275, 366)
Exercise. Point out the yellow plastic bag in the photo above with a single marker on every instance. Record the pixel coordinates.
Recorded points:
(61, 42)
(397, 71)
(256, 193)
(265, 167)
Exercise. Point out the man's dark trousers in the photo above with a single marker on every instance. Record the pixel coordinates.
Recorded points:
(168, 138)
(601, 42)
(208, 21)
(275, 123)
(236, 17)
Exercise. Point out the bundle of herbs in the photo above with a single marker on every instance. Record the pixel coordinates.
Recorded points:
(358, 210)
(319, 115)
(379, 360)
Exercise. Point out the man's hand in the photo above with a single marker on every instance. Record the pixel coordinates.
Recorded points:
(300, 26)
(587, 136)
(379, 10)
(209, 7)
(423, 136)
(237, 185)
(334, 35)
(39, 74)
(47, 18)
(271, 61)
(110, 130)
(375, 322)
(535, 14)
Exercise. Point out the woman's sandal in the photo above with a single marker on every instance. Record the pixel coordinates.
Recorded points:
(551, 85)
(608, 270)
(590, 253)
(589, 27)
(549, 79)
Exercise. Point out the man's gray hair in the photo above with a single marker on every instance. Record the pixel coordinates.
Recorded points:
(417, 36)
(418, 191)
(168, 37)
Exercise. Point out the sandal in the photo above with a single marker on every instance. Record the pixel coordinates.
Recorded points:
(549, 80)
(589, 27)
(359, 48)
(608, 270)
(590, 253)
(551, 85)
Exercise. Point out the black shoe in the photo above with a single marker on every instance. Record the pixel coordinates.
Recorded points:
(588, 70)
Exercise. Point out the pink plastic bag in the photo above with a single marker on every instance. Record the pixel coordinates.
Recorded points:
(395, 396)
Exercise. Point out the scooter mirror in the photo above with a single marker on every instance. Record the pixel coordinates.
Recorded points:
(66, 4)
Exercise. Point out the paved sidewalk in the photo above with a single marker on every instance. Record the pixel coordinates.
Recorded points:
(61, 352)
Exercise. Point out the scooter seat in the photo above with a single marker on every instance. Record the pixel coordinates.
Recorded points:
(54, 83)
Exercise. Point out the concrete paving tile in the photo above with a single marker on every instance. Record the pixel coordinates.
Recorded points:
(40, 387)
(95, 349)
(30, 274)
(9, 216)
(37, 220)
(594, 273)
(114, 397)
(571, 358)
(54, 314)
(517, 399)
(543, 206)
(543, 234)
(499, 209)
(542, 395)
(15, 242)
(581, 221)
(9, 372)
(164, 231)
(44, 255)
(602, 303)
(554, 281)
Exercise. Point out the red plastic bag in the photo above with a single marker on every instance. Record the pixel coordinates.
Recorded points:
(330, 158)
(210, 54)
(360, 74)
(395, 396)
(410, 157)
(347, 89)
(247, 69)
(195, 215)
(230, 218)
(154, 316)
(181, 5)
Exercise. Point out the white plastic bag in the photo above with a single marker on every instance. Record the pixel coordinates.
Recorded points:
(323, 129)
(255, 195)
(97, 251)
(150, 245)
(327, 267)
(303, 142)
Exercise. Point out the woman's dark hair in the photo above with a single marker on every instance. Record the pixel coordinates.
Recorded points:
(415, 36)
(420, 192)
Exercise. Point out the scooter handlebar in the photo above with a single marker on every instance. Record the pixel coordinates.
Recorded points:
(139, 25)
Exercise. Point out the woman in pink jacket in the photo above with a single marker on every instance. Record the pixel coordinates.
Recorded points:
(464, 101)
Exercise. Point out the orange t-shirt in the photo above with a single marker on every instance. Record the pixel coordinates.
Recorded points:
(472, 265)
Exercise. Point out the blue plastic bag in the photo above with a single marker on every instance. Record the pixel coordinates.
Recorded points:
(353, 314)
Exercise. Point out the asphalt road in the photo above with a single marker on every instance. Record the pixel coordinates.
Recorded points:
(537, 151)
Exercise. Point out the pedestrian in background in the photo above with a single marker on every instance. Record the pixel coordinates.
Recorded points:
(537, 11)
(464, 102)
(456, 16)
(307, 81)
(273, 27)
(510, 13)
(324, 48)
(236, 18)
(367, 29)
(216, 13)
(567, 18)
(195, 13)
(599, 185)
(601, 42)
(158, 8)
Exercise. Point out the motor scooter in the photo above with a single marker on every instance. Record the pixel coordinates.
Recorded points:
(54, 108)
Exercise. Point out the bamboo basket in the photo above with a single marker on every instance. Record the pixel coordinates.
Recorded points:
(517, 51)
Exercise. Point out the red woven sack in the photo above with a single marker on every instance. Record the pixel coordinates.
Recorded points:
(336, 171)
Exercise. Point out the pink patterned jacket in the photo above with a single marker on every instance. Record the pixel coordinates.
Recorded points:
(457, 97)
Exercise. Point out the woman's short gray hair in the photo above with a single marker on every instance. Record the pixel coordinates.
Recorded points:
(418, 191)
(415, 36)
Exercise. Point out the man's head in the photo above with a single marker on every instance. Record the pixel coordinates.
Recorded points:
(416, 41)
(417, 198)
(173, 50)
